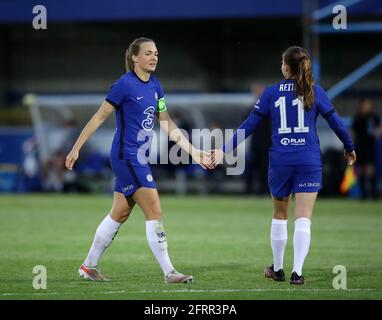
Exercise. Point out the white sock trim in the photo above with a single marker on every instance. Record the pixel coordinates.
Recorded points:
(302, 225)
(279, 221)
(112, 222)
(279, 229)
(108, 228)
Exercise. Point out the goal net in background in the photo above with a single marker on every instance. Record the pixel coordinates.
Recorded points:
(58, 120)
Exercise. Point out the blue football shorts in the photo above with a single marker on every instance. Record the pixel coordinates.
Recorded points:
(284, 180)
(131, 175)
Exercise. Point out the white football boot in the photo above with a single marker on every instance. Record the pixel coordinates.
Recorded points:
(177, 277)
(93, 274)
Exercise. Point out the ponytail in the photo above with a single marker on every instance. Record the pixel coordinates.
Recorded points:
(301, 70)
(304, 82)
(129, 60)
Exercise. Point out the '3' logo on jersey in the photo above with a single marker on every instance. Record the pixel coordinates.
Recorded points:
(148, 123)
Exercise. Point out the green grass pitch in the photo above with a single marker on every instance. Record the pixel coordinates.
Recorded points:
(223, 241)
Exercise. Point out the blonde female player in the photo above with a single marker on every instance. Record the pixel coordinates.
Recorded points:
(136, 97)
(293, 105)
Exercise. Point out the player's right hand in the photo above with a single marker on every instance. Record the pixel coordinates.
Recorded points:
(202, 158)
(217, 157)
(350, 157)
(71, 158)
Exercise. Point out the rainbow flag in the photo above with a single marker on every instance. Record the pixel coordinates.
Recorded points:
(349, 180)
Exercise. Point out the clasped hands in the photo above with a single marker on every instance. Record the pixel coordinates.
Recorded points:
(208, 159)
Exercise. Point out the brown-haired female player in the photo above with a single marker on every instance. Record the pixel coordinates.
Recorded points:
(293, 105)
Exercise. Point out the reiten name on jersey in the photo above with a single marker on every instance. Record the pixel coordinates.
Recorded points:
(286, 87)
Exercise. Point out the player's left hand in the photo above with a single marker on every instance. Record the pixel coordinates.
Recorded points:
(350, 157)
(203, 158)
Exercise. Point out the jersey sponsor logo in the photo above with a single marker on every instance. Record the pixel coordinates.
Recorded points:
(139, 98)
(148, 123)
(285, 141)
(293, 141)
(127, 188)
(149, 178)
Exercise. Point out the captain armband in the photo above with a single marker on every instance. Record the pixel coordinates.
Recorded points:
(161, 105)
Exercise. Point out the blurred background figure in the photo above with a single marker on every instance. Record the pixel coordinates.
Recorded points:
(55, 177)
(30, 179)
(256, 167)
(367, 130)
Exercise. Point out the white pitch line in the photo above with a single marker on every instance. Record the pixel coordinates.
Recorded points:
(192, 291)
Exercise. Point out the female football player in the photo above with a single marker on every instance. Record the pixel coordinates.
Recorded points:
(293, 105)
(136, 97)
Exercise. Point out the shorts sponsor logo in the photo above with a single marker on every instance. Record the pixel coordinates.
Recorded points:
(309, 185)
(293, 141)
(127, 188)
(149, 178)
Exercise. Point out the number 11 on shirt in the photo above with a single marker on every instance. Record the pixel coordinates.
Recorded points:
(280, 102)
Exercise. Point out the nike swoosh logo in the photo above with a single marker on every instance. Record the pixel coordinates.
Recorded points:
(139, 98)
(162, 241)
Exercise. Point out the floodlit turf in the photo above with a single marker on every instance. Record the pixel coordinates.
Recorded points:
(222, 241)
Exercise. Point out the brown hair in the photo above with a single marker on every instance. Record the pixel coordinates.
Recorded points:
(133, 50)
(301, 70)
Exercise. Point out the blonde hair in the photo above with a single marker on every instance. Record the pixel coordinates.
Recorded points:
(133, 50)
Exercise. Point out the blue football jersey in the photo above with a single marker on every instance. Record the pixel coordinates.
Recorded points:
(136, 103)
(294, 138)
